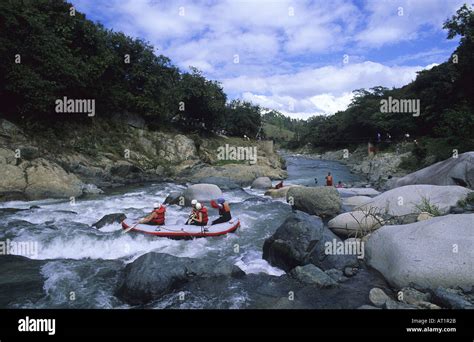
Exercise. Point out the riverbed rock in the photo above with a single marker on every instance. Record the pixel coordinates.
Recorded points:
(348, 192)
(301, 240)
(109, 219)
(404, 200)
(312, 275)
(47, 179)
(202, 193)
(451, 299)
(262, 183)
(224, 183)
(321, 201)
(452, 171)
(279, 193)
(12, 182)
(155, 274)
(355, 223)
(174, 197)
(424, 216)
(410, 295)
(378, 297)
(428, 254)
(355, 201)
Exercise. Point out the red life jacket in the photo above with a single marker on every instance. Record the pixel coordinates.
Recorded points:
(205, 218)
(159, 216)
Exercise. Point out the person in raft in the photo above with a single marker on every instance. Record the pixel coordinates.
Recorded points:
(199, 215)
(224, 210)
(329, 179)
(156, 217)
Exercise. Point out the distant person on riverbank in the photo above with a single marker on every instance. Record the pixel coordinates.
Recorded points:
(329, 179)
(340, 185)
(279, 185)
(157, 216)
(315, 181)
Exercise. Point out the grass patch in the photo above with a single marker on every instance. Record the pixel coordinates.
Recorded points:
(428, 207)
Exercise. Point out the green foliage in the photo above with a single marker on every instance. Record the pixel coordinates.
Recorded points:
(428, 207)
(242, 118)
(63, 55)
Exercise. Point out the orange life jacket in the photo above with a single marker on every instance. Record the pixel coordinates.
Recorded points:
(329, 180)
(159, 216)
(205, 217)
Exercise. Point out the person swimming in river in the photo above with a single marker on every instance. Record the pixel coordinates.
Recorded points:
(156, 217)
(340, 184)
(329, 179)
(224, 210)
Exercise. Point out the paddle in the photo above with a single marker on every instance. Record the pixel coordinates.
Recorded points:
(130, 228)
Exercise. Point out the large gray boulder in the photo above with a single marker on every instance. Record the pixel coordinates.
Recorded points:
(202, 193)
(279, 193)
(355, 223)
(262, 183)
(109, 219)
(404, 200)
(301, 240)
(355, 201)
(322, 201)
(452, 171)
(224, 183)
(155, 274)
(348, 192)
(427, 254)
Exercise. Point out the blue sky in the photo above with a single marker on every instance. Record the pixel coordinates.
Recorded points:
(300, 57)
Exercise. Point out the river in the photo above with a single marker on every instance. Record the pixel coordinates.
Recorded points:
(78, 258)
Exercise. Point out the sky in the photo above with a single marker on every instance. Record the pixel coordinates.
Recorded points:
(300, 57)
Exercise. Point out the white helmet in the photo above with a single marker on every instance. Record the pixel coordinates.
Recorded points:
(194, 202)
(198, 206)
(157, 205)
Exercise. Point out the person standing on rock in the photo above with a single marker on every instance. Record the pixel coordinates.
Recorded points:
(224, 210)
(329, 179)
(157, 216)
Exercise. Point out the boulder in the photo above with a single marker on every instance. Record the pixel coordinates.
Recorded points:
(262, 183)
(355, 223)
(355, 201)
(404, 200)
(155, 274)
(91, 189)
(47, 179)
(322, 201)
(12, 182)
(301, 240)
(410, 295)
(202, 193)
(428, 254)
(279, 193)
(348, 192)
(451, 299)
(424, 216)
(452, 171)
(224, 183)
(124, 169)
(109, 219)
(174, 197)
(312, 275)
(29, 152)
(378, 297)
